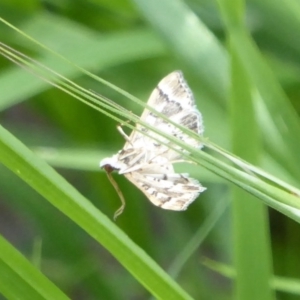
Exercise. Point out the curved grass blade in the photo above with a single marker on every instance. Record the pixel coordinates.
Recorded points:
(21, 280)
(62, 195)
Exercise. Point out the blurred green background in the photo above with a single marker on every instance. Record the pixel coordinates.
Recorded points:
(133, 44)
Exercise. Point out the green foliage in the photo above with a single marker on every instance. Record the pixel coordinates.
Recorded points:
(248, 95)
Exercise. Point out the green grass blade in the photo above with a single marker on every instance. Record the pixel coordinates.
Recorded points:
(62, 195)
(253, 276)
(189, 38)
(20, 280)
(279, 113)
(198, 48)
(275, 100)
(281, 284)
(208, 224)
(111, 48)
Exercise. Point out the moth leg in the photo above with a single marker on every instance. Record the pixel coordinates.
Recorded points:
(124, 135)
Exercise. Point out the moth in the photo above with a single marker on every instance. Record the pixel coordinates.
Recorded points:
(147, 160)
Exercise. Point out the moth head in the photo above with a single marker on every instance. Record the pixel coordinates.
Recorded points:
(110, 164)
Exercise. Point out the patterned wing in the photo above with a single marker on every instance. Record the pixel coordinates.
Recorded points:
(146, 162)
(169, 191)
(173, 98)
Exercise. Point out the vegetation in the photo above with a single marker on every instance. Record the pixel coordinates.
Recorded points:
(239, 240)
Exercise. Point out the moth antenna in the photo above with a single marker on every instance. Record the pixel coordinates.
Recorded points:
(120, 210)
